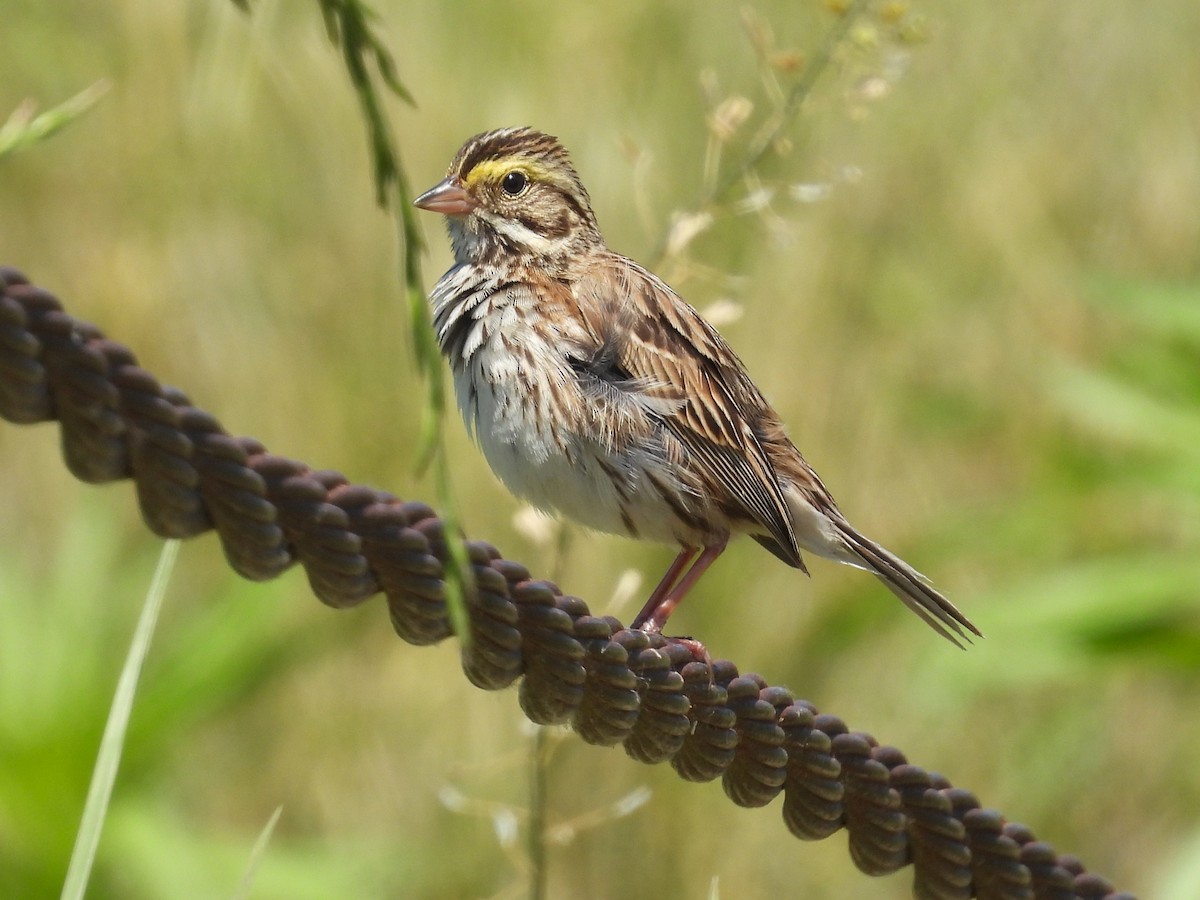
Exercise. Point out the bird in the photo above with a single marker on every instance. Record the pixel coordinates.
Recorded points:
(597, 393)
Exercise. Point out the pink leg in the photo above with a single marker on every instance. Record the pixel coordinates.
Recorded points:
(664, 586)
(659, 614)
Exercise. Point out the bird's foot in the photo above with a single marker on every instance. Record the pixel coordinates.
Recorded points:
(698, 652)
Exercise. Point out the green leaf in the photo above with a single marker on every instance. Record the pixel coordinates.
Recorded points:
(24, 129)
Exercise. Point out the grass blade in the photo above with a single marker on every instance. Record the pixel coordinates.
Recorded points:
(257, 852)
(112, 743)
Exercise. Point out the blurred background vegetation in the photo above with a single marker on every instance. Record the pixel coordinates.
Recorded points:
(974, 294)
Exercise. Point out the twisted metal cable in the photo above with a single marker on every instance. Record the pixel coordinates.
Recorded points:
(611, 684)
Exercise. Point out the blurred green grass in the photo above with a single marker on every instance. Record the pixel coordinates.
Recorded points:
(985, 342)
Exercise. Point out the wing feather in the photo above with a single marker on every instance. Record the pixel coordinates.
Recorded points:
(710, 404)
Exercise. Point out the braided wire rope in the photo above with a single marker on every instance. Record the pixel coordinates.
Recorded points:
(613, 685)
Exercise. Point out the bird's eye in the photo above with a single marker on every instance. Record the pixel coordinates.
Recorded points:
(514, 182)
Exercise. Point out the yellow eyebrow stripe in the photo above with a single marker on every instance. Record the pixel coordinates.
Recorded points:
(492, 170)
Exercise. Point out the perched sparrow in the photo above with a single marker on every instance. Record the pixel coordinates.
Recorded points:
(595, 391)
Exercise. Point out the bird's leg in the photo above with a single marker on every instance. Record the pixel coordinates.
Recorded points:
(664, 586)
(653, 618)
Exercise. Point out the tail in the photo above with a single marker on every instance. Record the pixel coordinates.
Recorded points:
(909, 585)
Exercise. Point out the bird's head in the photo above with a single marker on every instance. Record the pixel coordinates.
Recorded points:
(513, 191)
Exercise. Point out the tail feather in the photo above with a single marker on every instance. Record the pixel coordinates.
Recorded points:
(913, 588)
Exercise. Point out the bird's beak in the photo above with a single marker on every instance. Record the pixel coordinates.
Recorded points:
(446, 197)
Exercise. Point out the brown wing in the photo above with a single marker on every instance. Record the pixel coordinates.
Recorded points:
(709, 403)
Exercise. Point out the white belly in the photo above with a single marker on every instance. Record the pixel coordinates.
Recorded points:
(563, 470)
(522, 401)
